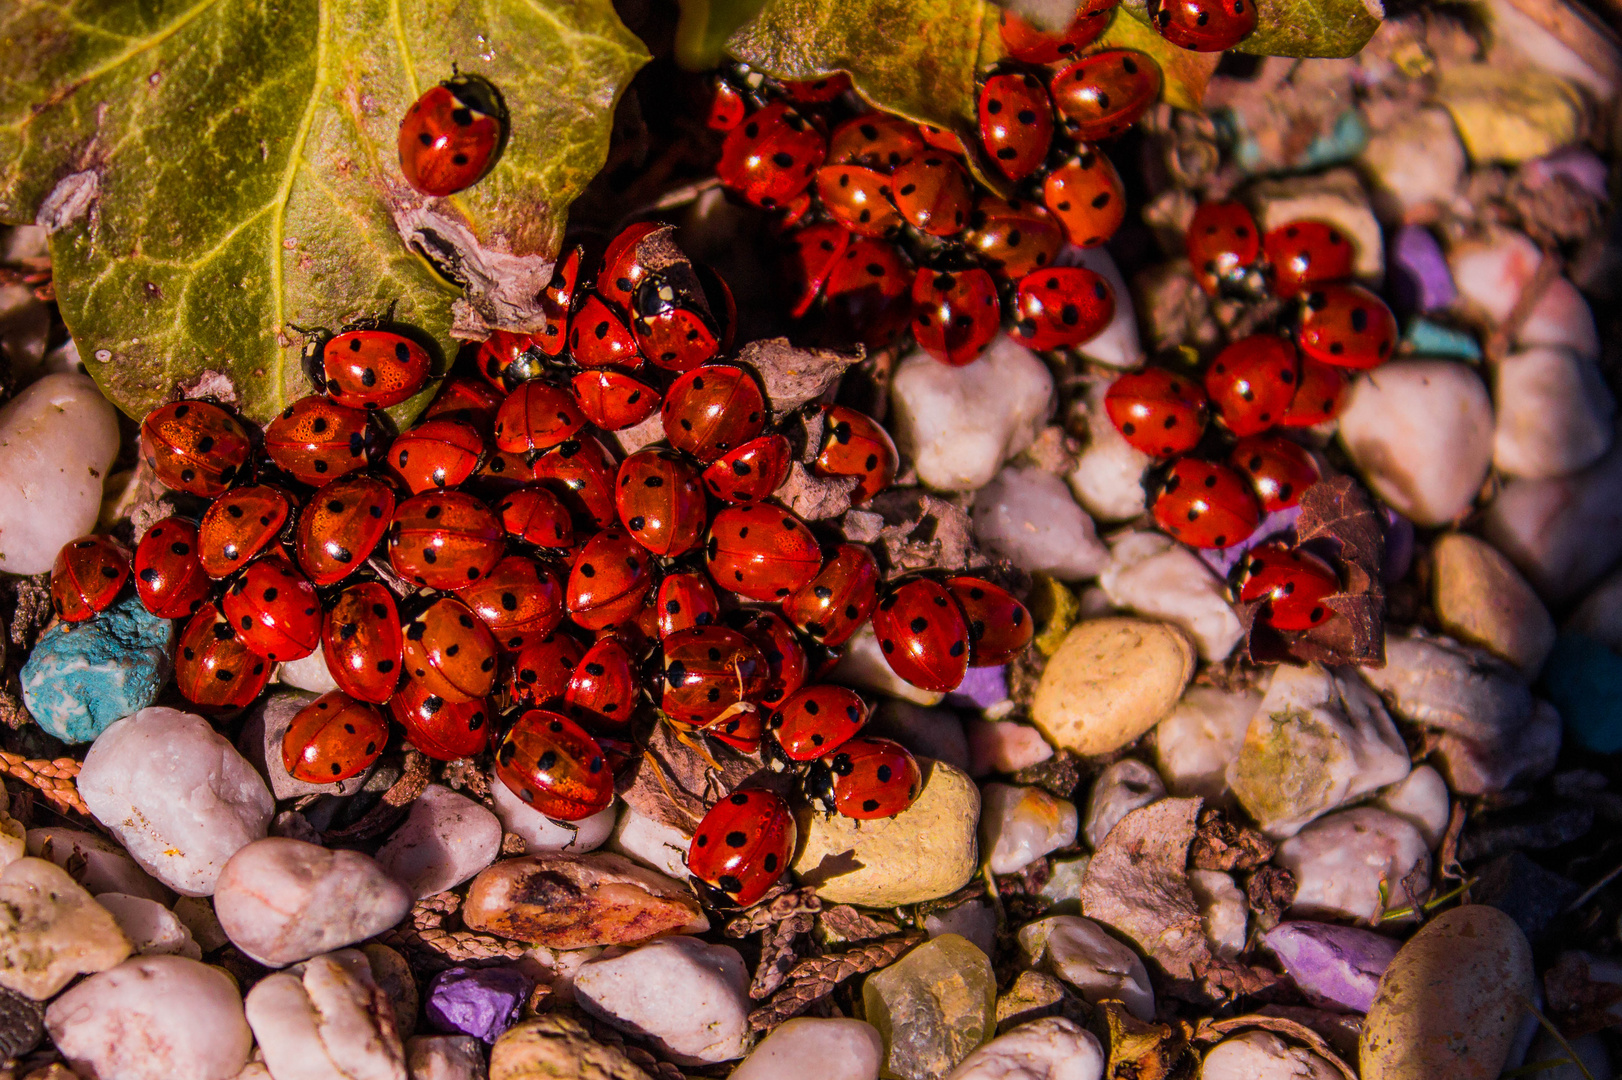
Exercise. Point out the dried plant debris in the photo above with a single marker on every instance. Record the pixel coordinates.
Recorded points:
(793, 376)
(1144, 1051)
(1269, 891)
(1209, 1032)
(678, 779)
(815, 977)
(843, 923)
(816, 498)
(1578, 1001)
(1219, 844)
(925, 532)
(1137, 884)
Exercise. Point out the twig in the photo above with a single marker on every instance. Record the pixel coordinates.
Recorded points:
(1430, 905)
(1593, 890)
(1548, 1026)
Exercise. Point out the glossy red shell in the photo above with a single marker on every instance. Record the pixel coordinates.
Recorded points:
(1013, 238)
(444, 539)
(1000, 627)
(810, 254)
(933, 193)
(1203, 25)
(581, 473)
(762, 552)
(854, 444)
(341, 526)
(786, 662)
(815, 720)
(685, 600)
(521, 601)
(435, 454)
(443, 730)
(237, 526)
(1158, 412)
(1061, 307)
(1319, 397)
(858, 198)
(450, 651)
(832, 605)
(751, 472)
(536, 516)
(87, 577)
(1032, 46)
(1222, 243)
(213, 668)
(274, 609)
(609, 580)
(743, 844)
(709, 669)
(536, 416)
(1206, 505)
(1347, 326)
(772, 156)
(603, 688)
(194, 446)
(711, 410)
(373, 369)
(1303, 254)
(954, 315)
(465, 399)
(317, 440)
(661, 501)
(363, 642)
(1086, 194)
(1280, 471)
(541, 672)
(1016, 122)
(923, 635)
(599, 336)
(333, 738)
(1104, 94)
(169, 578)
(614, 400)
(872, 778)
(450, 137)
(622, 268)
(549, 762)
(876, 140)
(1291, 585)
(1252, 382)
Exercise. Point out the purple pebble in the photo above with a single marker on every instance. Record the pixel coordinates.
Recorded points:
(1420, 280)
(1399, 547)
(481, 1002)
(981, 688)
(1335, 967)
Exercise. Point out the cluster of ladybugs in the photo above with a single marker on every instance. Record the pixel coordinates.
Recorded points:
(524, 564)
(1258, 383)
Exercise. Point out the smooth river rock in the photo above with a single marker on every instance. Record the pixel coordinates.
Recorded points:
(689, 997)
(1019, 825)
(573, 901)
(1481, 599)
(932, 1007)
(51, 930)
(1342, 861)
(83, 677)
(1110, 681)
(807, 1048)
(1555, 413)
(326, 1019)
(1155, 576)
(1199, 737)
(444, 841)
(1051, 1048)
(1562, 533)
(1028, 516)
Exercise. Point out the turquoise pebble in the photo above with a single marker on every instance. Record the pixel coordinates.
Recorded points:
(84, 676)
(1426, 338)
(1583, 679)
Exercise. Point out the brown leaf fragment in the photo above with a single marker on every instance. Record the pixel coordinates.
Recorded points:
(675, 785)
(777, 956)
(1270, 891)
(815, 977)
(793, 376)
(1137, 883)
(861, 526)
(1140, 1051)
(387, 810)
(1219, 844)
(1213, 1031)
(842, 923)
(1225, 980)
(816, 498)
(1579, 1003)
(1058, 775)
(1341, 1030)
(924, 532)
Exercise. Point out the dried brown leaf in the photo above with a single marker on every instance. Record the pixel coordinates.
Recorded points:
(1211, 1031)
(1219, 844)
(861, 526)
(1142, 1051)
(675, 785)
(1578, 1002)
(924, 532)
(816, 498)
(793, 376)
(777, 956)
(392, 806)
(1270, 892)
(1137, 883)
(815, 977)
(1224, 980)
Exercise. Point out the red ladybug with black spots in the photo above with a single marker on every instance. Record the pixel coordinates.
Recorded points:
(453, 135)
(743, 844)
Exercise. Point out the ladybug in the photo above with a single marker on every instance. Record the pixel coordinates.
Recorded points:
(598, 337)
(452, 135)
(832, 605)
(1318, 398)
(713, 409)
(1159, 413)
(708, 670)
(237, 526)
(520, 601)
(772, 156)
(1222, 244)
(372, 369)
(816, 91)
(1252, 382)
(1104, 94)
(603, 687)
(858, 198)
(941, 139)
(213, 668)
(1029, 45)
(866, 778)
(1086, 194)
(195, 447)
(876, 140)
(169, 578)
(1203, 25)
(670, 329)
(541, 671)
(536, 516)
(923, 635)
(810, 255)
(507, 359)
(581, 473)
(786, 662)
(549, 762)
(501, 470)
(867, 292)
(274, 609)
(685, 600)
(743, 844)
(613, 399)
(1303, 254)
(341, 526)
(1013, 237)
(954, 315)
(751, 472)
(933, 194)
(623, 269)
(88, 575)
(1291, 586)
(1000, 627)
(450, 651)
(1061, 307)
(1279, 469)
(465, 399)
(609, 580)
(661, 501)
(557, 300)
(536, 416)
(443, 730)
(817, 719)
(333, 738)
(435, 454)
(1206, 505)
(854, 444)
(444, 539)
(1016, 122)
(318, 440)
(363, 642)
(1347, 326)
(727, 107)
(762, 552)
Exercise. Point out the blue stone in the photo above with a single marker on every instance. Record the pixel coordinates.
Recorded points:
(83, 676)
(1426, 338)
(1583, 679)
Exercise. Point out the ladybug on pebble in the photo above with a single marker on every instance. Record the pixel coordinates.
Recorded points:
(743, 844)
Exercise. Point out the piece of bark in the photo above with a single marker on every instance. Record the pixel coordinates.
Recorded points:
(793, 376)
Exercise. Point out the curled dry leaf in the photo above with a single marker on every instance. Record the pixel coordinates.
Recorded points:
(1213, 1031)
(815, 977)
(1137, 883)
(675, 784)
(1270, 891)
(816, 498)
(1219, 844)
(924, 532)
(1142, 1051)
(1578, 1002)
(793, 376)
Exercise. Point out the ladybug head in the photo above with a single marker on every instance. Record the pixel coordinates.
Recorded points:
(479, 94)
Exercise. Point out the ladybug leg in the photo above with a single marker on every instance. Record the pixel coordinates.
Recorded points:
(573, 829)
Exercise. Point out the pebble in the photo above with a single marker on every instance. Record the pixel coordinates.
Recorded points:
(984, 689)
(1426, 338)
(863, 667)
(1555, 413)
(1052, 1048)
(1083, 954)
(445, 840)
(931, 733)
(1481, 599)
(1199, 737)
(1510, 114)
(101, 865)
(1031, 996)
(1590, 1050)
(82, 677)
(1564, 533)
(1334, 967)
(566, 901)
(1420, 280)
(932, 1007)
(1003, 746)
(153, 929)
(959, 424)
(1223, 911)
(282, 900)
(444, 1057)
(1028, 516)
(1108, 476)
(1341, 861)
(635, 991)
(1154, 576)
(260, 741)
(807, 1048)
(1019, 825)
(1600, 614)
(1561, 319)
(541, 833)
(58, 439)
(1116, 345)
(326, 1018)
(1492, 271)
(1335, 197)
(1421, 797)
(393, 975)
(1319, 739)
(1063, 886)
(1120, 789)
(973, 920)
(176, 794)
(153, 1018)
(555, 1045)
(926, 851)
(1261, 1055)
(1109, 682)
(1417, 165)
(51, 930)
(1584, 681)
(1451, 1001)
(308, 673)
(1477, 768)
(1421, 433)
(651, 842)
(478, 1002)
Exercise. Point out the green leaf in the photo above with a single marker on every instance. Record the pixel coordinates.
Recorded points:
(1322, 28)
(704, 26)
(1185, 73)
(218, 173)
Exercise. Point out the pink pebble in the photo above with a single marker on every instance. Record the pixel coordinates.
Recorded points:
(1004, 746)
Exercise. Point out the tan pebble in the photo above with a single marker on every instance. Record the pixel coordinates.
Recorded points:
(1480, 598)
(1111, 681)
(572, 901)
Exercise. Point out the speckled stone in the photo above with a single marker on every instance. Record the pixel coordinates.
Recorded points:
(84, 676)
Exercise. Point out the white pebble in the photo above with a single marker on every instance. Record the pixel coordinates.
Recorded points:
(1416, 163)
(1341, 861)
(51, 930)
(1421, 798)
(1117, 344)
(1562, 533)
(445, 1057)
(104, 866)
(806, 1048)
(58, 438)
(973, 920)
(1003, 746)
(153, 1018)
(308, 673)
(1200, 736)
(1153, 575)
(1555, 413)
(1108, 477)
(688, 997)
(960, 424)
(176, 794)
(1019, 825)
(326, 1020)
(1491, 273)
(1125, 786)
(651, 843)
(863, 667)
(1028, 516)
(1051, 1048)
(1083, 954)
(1561, 319)
(445, 840)
(541, 833)
(1261, 1055)
(1223, 911)
(152, 928)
